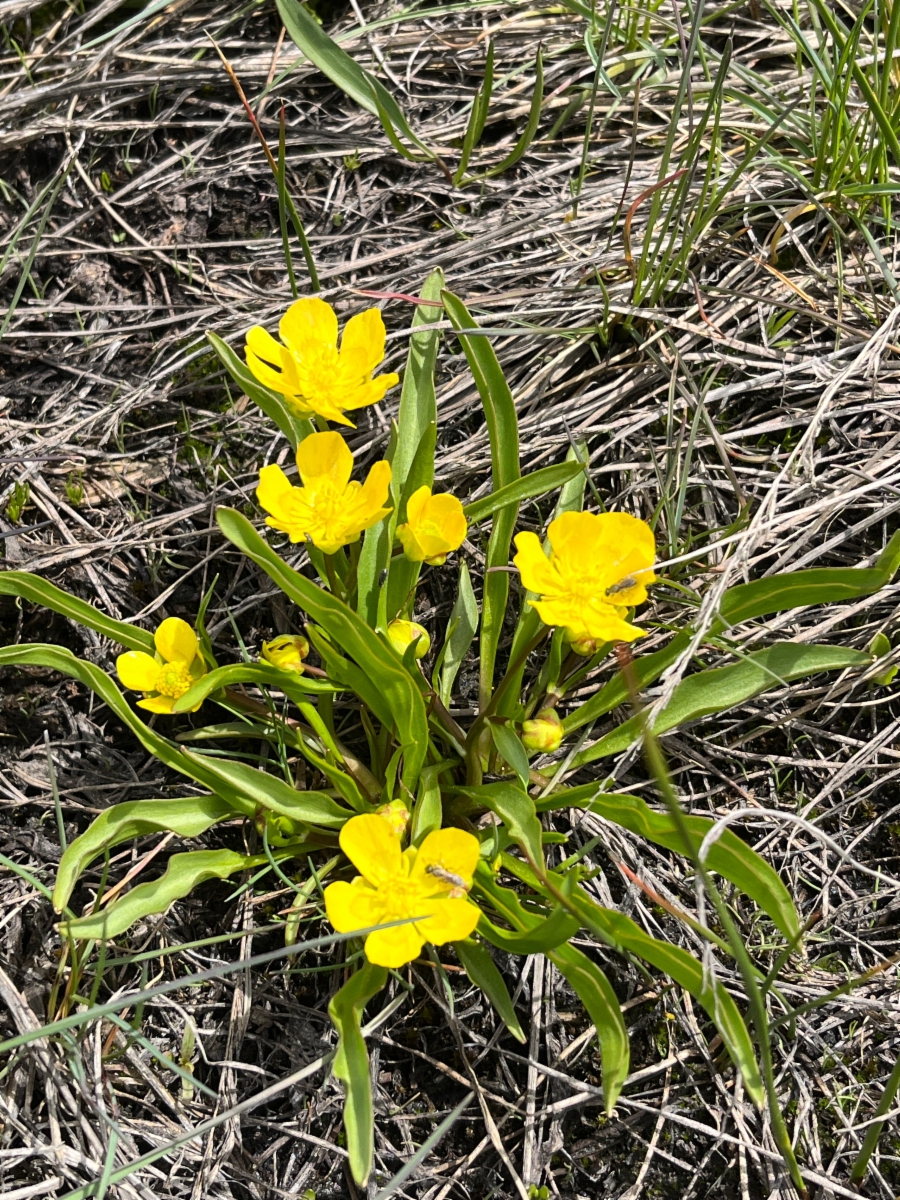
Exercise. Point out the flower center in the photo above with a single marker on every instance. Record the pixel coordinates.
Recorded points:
(174, 680)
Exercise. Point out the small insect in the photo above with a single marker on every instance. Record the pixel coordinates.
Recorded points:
(382, 578)
(459, 887)
(622, 586)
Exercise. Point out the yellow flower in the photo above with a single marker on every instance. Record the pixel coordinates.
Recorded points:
(435, 525)
(309, 370)
(597, 569)
(287, 652)
(397, 816)
(430, 883)
(329, 509)
(173, 671)
(402, 634)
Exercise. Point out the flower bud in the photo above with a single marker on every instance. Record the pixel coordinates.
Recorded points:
(544, 732)
(402, 634)
(397, 816)
(585, 646)
(286, 652)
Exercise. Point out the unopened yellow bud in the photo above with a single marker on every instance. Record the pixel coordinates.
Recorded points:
(397, 816)
(585, 646)
(544, 732)
(286, 652)
(402, 634)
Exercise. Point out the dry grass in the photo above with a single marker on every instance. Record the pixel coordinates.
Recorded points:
(759, 383)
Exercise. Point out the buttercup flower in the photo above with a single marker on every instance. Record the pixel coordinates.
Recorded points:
(173, 671)
(309, 370)
(430, 883)
(287, 651)
(402, 634)
(599, 566)
(435, 525)
(330, 509)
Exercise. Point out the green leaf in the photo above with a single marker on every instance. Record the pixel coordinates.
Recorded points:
(619, 930)
(294, 428)
(188, 817)
(537, 483)
(596, 994)
(745, 602)
(401, 692)
(295, 686)
(427, 810)
(351, 1065)
(269, 793)
(39, 591)
(480, 107)
(484, 973)
(503, 430)
(534, 116)
(588, 980)
(548, 934)
(345, 73)
(461, 630)
(729, 856)
(511, 750)
(722, 688)
(515, 808)
(183, 873)
(404, 574)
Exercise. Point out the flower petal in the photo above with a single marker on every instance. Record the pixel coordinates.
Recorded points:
(158, 704)
(452, 850)
(274, 380)
(137, 670)
(449, 921)
(324, 456)
(363, 340)
(372, 847)
(533, 565)
(264, 346)
(372, 390)
(375, 490)
(176, 641)
(272, 489)
(394, 947)
(308, 325)
(410, 543)
(417, 504)
(350, 907)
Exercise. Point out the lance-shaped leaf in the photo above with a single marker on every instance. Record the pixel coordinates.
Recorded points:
(548, 934)
(728, 855)
(348, 630)
(183, 873)
(746, 602)
(503, 430)
(484, 973)
(343, 71)
(461, 630)
(616, 929)
(536, 483)
(511, 750)
(515, 808)
(722, 688)
(295, 686)
(39, 591)
(188, 817)
(295, 429)
(588, 981)
(351, 1065)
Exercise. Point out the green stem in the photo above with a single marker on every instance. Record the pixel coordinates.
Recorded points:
(874, 1131)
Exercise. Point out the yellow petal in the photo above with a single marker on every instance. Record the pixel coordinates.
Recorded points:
(417, 504)
(450, 921)
(372, 847)
(372, 390)
(410, 544)
(533, 565)
(394, 947)
(363, 340)
(375, 489)
(324, 456)
(309, 324)
(176, 641)
(272, 489)
(446, 514)
(350, 907)
(274, 380)
(137, 670)
(261, 343)
(158, 704)
(452, 850)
